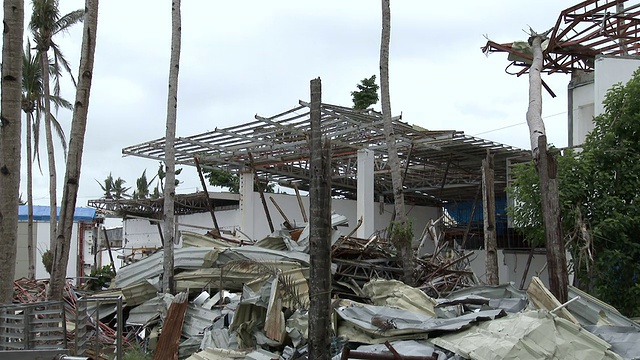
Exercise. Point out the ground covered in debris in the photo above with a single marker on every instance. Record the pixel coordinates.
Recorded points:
(251, 302)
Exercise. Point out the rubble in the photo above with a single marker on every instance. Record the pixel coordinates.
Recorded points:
(250, 301)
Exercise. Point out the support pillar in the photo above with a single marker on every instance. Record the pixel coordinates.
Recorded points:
(247, 203)
(365, 207)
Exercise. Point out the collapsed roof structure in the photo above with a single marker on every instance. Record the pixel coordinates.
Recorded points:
(438, 166)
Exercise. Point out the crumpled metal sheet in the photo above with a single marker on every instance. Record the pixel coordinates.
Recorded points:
(394, 293)
(364, 322)
(592, 311)
(624, 340)
(531, 335)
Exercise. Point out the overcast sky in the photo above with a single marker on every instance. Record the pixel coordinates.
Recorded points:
(241, 58)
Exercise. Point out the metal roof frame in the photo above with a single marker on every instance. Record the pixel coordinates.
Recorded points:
(438, 166)
(582, 31)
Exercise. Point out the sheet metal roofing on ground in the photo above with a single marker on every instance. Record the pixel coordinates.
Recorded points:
(438, 164)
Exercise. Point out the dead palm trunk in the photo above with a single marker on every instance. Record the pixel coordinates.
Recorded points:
(170, 161)
(546, 167)
(400, 233)
(10, 129)
(31, 274)
(319, 233)
(74, 157)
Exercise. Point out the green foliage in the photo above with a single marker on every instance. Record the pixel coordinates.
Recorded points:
(223, 179)
(366, 95)
(114, 189)
(401, 233)
(142, 186)
(599, 202)
(47, 260)
(230, 181)
(161, 175)
(100, 277)
(135, 352)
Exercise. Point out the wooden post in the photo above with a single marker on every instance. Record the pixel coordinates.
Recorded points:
(261, 192)
(106, 239)
(210, 206)
(304, 213)
(489, 215)
(319, 234)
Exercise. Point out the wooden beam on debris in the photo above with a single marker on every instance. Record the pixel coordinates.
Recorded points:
(210, 205)
(541, 297)
(167, 348)
(264, 202)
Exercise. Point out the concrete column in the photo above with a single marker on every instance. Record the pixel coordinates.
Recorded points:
(365, 207)
(246, 203)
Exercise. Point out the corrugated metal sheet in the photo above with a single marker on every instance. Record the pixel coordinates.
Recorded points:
(197, 319)
(529, 335)
(193, 239)
(591, 311)
(217, 354)
(149, 311)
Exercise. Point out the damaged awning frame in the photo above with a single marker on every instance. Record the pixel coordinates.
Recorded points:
(582, 31)
(438, 166)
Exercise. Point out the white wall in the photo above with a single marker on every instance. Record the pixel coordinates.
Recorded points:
(141, 233)
(41, 233)
(586, 95)
(511, 266)
(609, 71)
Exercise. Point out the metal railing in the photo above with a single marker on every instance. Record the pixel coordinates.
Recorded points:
(33, 326)
(90, 337)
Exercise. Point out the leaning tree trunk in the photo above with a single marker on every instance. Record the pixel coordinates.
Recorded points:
(10, 128)
(401, 235)
(546, 167)
(319, 233)
(170, 161)
(74, 157)
(31, 248)
(53, 210)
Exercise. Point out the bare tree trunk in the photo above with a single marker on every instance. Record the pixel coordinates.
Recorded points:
(31, 274)
(319, 234)
(546, 167)
(400, 236)
(74, 157)
(51, 160)
(10, 129)
(489, 216)
(170, 161)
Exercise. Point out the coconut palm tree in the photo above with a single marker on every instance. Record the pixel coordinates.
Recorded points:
(46, 22)
(76, 146)
(10, 128)
(32, 106)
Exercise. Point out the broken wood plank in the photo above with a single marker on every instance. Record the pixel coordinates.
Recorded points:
(544, 299)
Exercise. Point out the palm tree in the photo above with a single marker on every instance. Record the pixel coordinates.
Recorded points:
(170, 161)
(74, 160)
(32, 106)
(10, 128)
(45, 23)
(142, 186)
(401, 229)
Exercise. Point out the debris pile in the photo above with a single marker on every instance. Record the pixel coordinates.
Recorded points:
(241, 301)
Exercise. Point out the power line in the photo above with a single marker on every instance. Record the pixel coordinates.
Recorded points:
(518, 124)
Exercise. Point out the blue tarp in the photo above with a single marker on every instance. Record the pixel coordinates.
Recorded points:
(461, 211)
(41, 213)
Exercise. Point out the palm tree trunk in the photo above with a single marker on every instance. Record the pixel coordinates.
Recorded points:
(556, 258)
(53, 211)
(402, 243)
(170, 161)
(74, 157)
(319, 233)
(30, 240)
(10, 129)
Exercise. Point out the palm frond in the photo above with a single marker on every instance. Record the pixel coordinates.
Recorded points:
(64, 23)
(287, 283)
(60, 132)
(59, 59)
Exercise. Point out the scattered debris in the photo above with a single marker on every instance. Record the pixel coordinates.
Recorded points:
(251, 301)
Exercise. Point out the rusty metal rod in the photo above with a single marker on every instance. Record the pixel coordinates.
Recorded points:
(210, 205)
